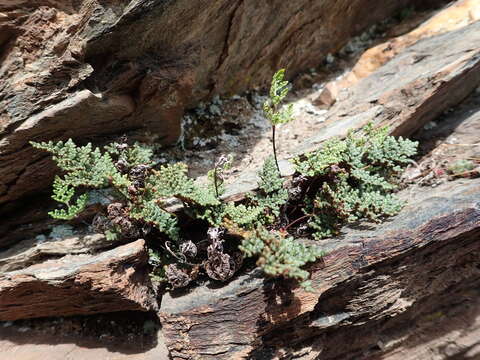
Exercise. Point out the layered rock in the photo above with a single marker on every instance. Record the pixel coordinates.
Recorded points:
(34, 250)
(412, 89)
(88, 68)
(453, 17)
(408, 92)
(367, 286)
(113, 280)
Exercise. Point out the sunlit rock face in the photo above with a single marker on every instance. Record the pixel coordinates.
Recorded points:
(88, 68)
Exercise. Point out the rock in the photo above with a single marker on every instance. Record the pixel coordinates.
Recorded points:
(327, 97)
(447, 334)
(88, 68)
(369, 289)
(30, 251)
(454, 16)
(115, 280)
(412, 89)
(99, 337)
(25, 168)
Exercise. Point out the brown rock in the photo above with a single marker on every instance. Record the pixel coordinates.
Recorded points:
(88, 68)
(30, 251)
(410, 90)
(328, 96)
(26, 168)
(369, 289)
(114, 280)
(405, 94)
(32, 345)
(453, 17)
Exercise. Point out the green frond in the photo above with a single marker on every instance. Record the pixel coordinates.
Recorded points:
(279, 255)
(358, 175)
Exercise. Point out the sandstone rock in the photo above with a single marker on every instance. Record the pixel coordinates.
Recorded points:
(412, 89)
(114, 280)
(88, 68)
(455, 16)
(368, 288)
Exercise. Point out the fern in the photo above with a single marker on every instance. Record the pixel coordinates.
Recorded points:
(271, 195)
(279, 255)
(84, 167)
(357, 176)
(63, 192)
(272, 109)
(343, 182)
(151, 213)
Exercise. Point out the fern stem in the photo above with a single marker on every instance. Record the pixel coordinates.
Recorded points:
(275, 148)
(298, 220)
(215, 181)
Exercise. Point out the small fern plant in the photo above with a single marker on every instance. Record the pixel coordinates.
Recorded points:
(274, 111)
(84, 167)
(351, 179)
(140, 193)
(344, 181)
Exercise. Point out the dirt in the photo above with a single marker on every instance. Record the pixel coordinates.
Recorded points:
(132, 335)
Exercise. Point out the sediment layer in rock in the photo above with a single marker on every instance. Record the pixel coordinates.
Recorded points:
(114, 280)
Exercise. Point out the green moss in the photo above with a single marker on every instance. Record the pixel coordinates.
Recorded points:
(461, 166)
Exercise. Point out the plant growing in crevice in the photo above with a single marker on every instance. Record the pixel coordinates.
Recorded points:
(280, 255)
(273, 110)
(346, 180)
(217, 174)
(351, 179)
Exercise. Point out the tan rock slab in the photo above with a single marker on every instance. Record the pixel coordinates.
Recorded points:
(454, 16)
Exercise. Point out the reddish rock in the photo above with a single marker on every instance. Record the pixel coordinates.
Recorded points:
(88, 68)
(369, 289)
(114, 280)
(328, 96)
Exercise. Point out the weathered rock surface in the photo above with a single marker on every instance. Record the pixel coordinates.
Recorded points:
(368, 290)
(114, 280)
(31, 251)
(452, 333)
(454, 16)
(28, 346)
(411, 90)
(88, 68)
